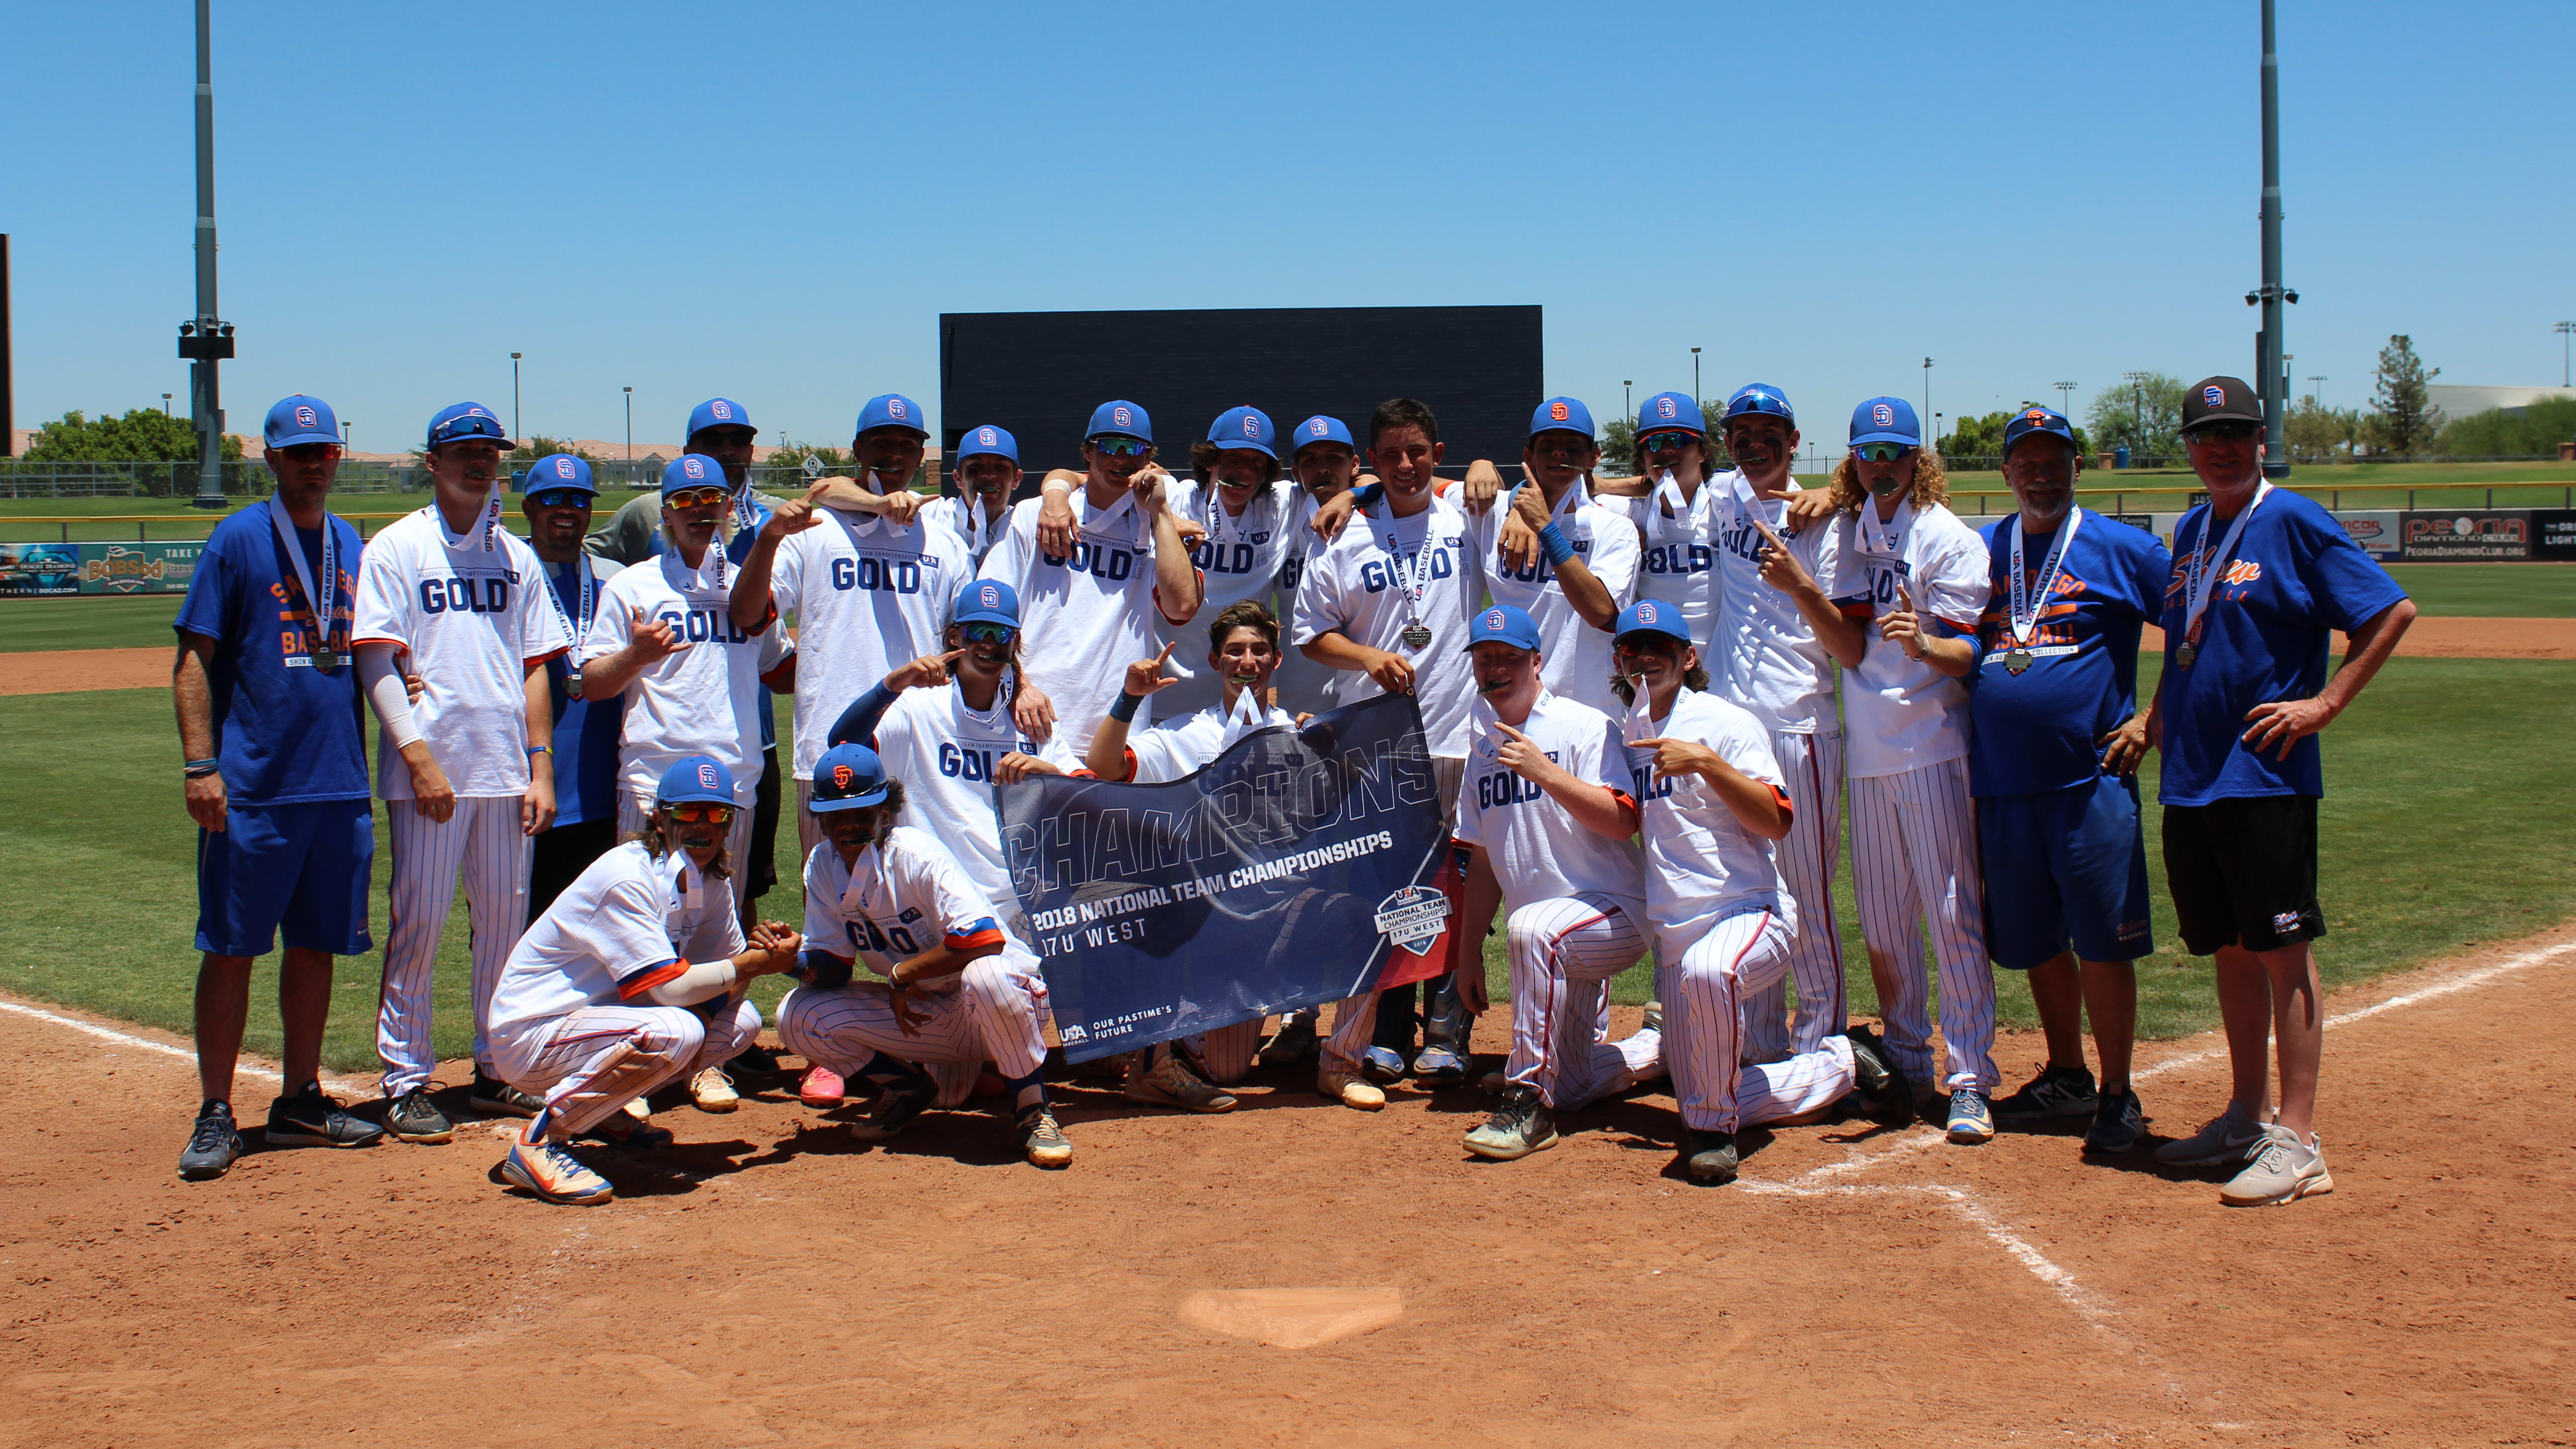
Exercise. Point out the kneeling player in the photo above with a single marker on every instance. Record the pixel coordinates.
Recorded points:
(1547, 819)
(599, 1004)
(955, 989)
(1712, 802)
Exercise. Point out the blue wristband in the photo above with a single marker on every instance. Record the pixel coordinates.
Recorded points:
(1123, 708)
(1552, 538)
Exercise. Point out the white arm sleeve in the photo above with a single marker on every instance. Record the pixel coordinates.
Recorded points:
(703, 981)
(384, 685)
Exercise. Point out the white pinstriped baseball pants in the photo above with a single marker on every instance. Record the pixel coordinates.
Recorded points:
(483, 841)
(1914, 858)
(1563, 954)
(1813, 766)
(589, 1063)
(991, 1016)
(1703, 985)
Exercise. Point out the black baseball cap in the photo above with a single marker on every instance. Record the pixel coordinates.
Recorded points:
(2220, 399)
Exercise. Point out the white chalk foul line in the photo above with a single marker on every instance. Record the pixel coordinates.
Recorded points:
(2059, 1281)
(123, 1039)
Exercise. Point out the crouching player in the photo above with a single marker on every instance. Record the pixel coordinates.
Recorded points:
(956, 990)
(1712, 801)
(632, 979)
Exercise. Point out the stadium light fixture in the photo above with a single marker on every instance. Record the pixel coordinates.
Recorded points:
(2564, 330)
(514, 399)
(2065, 395)
(630, 428)
(1695, 396)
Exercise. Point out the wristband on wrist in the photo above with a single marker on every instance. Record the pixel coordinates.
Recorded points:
(1552, 538)
(199, 769)
(1123, 708)
(536, 750)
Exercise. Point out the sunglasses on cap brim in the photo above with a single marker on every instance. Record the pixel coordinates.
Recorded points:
(456, 429)
(697, 810)
(697, 497)
(559, 498)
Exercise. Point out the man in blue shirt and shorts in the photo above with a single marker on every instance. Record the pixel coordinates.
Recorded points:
(2052, 761)
(2261, 580)
(276, 781)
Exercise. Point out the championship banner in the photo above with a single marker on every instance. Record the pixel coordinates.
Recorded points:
(1299, 867)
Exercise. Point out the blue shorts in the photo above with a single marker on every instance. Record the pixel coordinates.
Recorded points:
(300, 871)
(2065, 866)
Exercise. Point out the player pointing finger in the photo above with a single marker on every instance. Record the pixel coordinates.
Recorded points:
(930, 671)
(1146, 676)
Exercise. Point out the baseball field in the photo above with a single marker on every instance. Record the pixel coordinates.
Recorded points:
(1296, 1272)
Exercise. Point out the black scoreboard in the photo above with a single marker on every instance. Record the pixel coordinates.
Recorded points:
(1040, 374)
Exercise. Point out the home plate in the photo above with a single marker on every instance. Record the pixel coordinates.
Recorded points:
(1292, 1317)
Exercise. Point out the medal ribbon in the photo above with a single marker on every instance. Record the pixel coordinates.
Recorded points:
(576, 625)
(1419, 581)
(318, 601)
(2204, 565)
(2025, 613)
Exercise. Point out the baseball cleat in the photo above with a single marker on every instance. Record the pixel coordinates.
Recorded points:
(2283, 1170)
(1350, 1091)
(412, 1117)
(1971, 1120)
(1710, 1157)
(554, 1175)
(895, 1110)
(1043, 1140)
(2055, 1092)
(1295, 1043)
(213, 1143)
(2231, 1136)
(309, 1119)
(1654, 1017)
(1440, 1064)
(2117, 1124)
(1521, 1126)
(496, 1098)
(1882, 1081)
(1170, 1084)
(1383, 1064)
(713, 1091)
(822, 1088)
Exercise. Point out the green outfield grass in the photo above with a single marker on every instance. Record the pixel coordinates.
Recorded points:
(2348, 486)
(2443, 827)
(2490, 591)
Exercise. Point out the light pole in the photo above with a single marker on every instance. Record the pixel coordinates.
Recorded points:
(1628, 398)
(165, 404)
(2137, 382)
(2272, 389)
(2563, 329)
(514, 398)
(630, 428)
(2065, 395)
(344, 436)
(1927, 393)
(2312, 392)
(206, 339)
(1695, 375)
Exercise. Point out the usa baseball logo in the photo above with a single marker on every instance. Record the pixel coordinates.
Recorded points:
(842, 775)
(706, 777)
(1557, 412)
(894, 407)
(1119, 416)
(984, 438)
(722, 410)
(563, 467)
(306, 418)
(1881, 415)
(1666, 408)
(2214, 395)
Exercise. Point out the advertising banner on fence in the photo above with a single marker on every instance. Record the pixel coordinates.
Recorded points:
(61, 570)
(2380, 534)
(2553, 534)
(1300, 867)
(2483, 534)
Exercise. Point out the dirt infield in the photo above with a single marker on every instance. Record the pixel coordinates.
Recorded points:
(763, 1282)
(66, 671)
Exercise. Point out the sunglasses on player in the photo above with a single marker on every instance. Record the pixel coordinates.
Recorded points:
(2224, 432)
(1119, 447)
(1665, 442)
(1883, 452)
(985, 633)
(559, 498)
(698, 498)
(693, 811)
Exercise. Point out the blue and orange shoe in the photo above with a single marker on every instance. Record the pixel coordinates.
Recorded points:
(554, 1175)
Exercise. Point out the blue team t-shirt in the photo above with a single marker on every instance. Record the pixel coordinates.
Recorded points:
(286, 732)
(586, 730)
(2039, 730)
(2295, 578)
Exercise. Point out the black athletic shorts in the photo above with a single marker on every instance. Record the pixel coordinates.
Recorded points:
(2244, 872)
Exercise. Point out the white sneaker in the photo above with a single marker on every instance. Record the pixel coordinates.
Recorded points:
(1350, 1091)
(2283, 1170)
(713, 1091)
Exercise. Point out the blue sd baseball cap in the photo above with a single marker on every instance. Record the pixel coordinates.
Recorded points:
(1503, 624)
(1760, 400)
(699, 778)
(1668, 410)
(558, 471)
(1244, 427)
(1886, 420)
(301, 419)
(2037, 420)
(1121, 419)
(1321, 429)
(890, 410)
(848, 777)
(988, 601)
(718, 412)
(1651, 616)
(1561, 415)
(466, 420)
(988, 441)
(693, 470)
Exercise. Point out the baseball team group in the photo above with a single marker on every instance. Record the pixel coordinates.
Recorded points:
(1628, 692)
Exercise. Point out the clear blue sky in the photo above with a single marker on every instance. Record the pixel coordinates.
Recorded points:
(776, 202)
